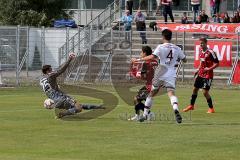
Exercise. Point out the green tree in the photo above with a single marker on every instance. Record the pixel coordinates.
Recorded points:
(32, 12)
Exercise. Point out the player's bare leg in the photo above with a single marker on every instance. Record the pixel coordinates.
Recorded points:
(174, 103)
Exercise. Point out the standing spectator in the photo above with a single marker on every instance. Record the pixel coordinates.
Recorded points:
(141, 25)
(129, 6)
(217, 6)
(127, 20)
(226, 18)
(167, 9)
(184, 18)
(195, 6)
(158, 7)
(204, 17)
(204, 76)
(212, 7)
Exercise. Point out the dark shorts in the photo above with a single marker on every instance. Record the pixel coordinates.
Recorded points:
(65, 103)
(203, 83)
(142, 94)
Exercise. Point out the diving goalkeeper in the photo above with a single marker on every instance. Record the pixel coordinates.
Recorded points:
(57, 98)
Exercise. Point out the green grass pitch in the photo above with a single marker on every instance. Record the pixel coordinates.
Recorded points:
(30, 132)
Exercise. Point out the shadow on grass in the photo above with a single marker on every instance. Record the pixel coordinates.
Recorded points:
(110, 102)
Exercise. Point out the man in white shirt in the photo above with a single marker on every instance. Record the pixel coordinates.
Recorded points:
(165, 74)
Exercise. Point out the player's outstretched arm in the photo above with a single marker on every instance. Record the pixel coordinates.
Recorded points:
(150, 57)
(65, 66)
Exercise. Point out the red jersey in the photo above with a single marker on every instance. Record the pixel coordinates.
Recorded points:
(145, 71)
(166, 1)
(207, 59)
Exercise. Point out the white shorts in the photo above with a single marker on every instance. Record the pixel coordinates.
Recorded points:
(164, 82)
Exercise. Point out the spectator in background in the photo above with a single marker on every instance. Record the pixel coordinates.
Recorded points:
(235, 18)
(195, 6)
(167, 9)
(141, 25)
(198, 21)
(184, 19)
(158, 2)
(212, 7)
(217, 18)
(226, 18)
(217, 6)
(127, 20)
(129, 6)
(153, 26)
(204, 17)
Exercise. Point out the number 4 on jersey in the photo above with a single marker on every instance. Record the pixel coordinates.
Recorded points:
(170, 56)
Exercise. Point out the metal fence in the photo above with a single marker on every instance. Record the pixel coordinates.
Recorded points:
(23, 51)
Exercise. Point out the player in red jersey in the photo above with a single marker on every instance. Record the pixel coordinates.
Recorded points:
(144, 71)
(204, 75)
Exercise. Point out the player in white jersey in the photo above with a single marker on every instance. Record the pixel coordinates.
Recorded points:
(165, 74)
(57, 98)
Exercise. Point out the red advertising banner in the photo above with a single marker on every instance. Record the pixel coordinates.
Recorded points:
(236, 75)
(218, 29)
(222, 49)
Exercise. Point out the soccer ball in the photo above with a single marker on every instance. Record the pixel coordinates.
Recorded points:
(48, 103)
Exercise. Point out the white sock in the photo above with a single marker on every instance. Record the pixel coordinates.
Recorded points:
(174, 102)
(146, 111)
(148, 104)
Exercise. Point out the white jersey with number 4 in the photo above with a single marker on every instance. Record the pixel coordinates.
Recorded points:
(169, 55)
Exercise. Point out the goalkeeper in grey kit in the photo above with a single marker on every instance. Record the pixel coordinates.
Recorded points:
(57, 98)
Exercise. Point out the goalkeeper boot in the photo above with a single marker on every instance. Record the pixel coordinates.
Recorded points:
(188, 108)
(178, 116)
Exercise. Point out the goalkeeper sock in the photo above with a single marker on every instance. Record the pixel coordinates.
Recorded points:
(91, 106)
